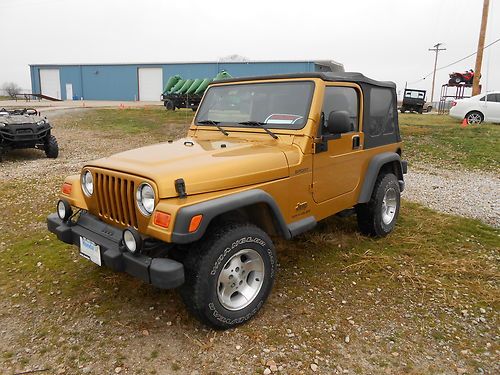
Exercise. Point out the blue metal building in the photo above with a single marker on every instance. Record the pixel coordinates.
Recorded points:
(146, 81)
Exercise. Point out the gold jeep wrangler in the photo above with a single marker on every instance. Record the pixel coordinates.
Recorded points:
(264, 156)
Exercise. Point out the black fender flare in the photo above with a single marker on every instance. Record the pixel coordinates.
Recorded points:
(376, 163)
(214, 207)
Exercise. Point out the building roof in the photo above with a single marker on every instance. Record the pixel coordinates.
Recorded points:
(326, 76)
(329, 63)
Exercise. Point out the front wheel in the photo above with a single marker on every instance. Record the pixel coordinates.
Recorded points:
(51, 147)
(229, 275)
(169, 105)
(378, 217)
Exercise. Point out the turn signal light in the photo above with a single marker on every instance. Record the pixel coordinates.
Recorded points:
(195, 223)
(453, 103)
(162, 219)
(66, 188)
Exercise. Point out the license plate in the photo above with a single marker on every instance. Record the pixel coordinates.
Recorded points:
(90, 250)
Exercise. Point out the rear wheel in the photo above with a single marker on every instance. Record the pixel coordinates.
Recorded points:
(402, 110)
(229, 275)
(378, 217)
(457, 80)
(51, 147)
(474, 118)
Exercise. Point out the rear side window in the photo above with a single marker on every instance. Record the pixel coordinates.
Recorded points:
(381, 118)
(491, 98)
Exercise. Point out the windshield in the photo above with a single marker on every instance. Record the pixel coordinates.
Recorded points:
(283, 105)
(415, 94)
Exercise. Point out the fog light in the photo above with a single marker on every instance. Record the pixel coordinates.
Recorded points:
(64, 210)
(132, 240)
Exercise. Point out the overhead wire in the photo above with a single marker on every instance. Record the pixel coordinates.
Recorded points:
(455, 62)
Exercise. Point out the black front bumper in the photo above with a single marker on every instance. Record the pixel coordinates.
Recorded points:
(162, 273)
(29, 133)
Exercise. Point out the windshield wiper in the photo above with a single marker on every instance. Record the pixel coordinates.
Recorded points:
(261, 124)
(214, 123)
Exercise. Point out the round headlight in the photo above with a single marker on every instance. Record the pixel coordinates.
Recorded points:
(145, 199)
(88, 183)
(41, 122)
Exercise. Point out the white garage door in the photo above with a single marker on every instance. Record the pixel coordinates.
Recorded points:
(150, 84)
(50, 83)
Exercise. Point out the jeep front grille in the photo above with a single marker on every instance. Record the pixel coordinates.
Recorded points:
(115, 199)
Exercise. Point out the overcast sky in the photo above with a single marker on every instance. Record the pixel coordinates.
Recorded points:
(384, 39)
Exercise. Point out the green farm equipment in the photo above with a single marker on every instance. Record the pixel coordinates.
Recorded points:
(187, 93)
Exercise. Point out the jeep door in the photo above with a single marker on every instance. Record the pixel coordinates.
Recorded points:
(337, 161)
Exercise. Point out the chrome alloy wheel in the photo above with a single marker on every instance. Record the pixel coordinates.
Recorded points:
(474, 118)
(389, 206)
(240, 280)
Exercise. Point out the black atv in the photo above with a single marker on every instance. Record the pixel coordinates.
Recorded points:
(25, 128)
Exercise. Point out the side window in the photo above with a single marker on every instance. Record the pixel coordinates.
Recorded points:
(341, 99)
(381, 117)
(491, 98)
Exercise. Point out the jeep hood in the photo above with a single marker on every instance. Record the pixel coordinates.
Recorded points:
(204, 165)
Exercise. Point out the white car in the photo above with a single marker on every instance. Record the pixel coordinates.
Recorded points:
(479, 108)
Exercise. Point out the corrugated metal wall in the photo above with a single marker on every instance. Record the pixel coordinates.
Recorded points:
(120, 82)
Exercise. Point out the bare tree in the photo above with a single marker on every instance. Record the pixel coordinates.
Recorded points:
(11, 89)
(234, 58)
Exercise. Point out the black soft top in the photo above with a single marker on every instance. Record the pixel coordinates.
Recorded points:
(325, 76)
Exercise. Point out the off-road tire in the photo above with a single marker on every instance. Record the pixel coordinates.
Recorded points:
(457, 80)
(51, 147)
(369, 215)
(474, 118)
(205, 261)
(402, 110)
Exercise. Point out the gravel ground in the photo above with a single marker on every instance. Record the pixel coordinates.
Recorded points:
(465, 193)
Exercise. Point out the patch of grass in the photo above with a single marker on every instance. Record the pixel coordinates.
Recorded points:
(439, 139)
(175, 366)
(150, 120)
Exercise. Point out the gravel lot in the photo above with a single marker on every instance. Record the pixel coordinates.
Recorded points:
(465, 193)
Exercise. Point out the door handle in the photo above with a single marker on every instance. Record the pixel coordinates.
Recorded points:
(356, 142)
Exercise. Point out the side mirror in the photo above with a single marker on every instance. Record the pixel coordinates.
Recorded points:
(339, 122)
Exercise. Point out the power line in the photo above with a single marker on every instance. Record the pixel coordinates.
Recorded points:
(455, 62)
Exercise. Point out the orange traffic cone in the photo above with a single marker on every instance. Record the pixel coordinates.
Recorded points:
(464, 123)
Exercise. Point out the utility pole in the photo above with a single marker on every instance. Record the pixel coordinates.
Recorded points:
(435, 49)
(480, 48)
